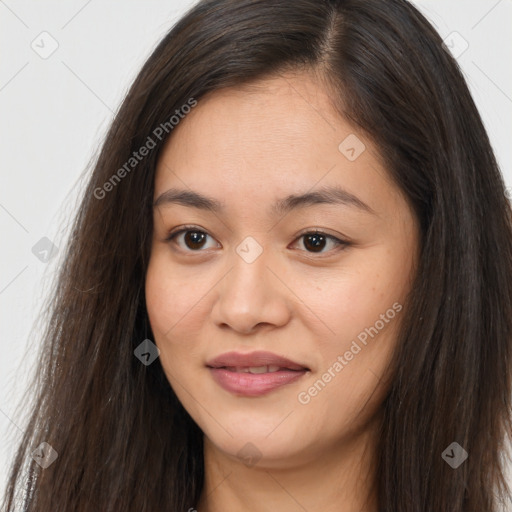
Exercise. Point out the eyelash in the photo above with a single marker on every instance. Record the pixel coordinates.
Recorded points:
(342, 244)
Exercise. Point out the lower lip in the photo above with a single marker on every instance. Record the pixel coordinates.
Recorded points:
(253, 384)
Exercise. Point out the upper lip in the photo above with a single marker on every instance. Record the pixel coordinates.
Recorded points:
(260, 358)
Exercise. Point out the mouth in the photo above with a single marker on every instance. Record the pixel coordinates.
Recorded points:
(254, 362)
(254, 374)
(255, 370)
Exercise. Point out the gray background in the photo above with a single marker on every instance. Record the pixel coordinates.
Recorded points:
(55, 112)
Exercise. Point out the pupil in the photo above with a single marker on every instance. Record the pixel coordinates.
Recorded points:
(317, 242)
(193, 238)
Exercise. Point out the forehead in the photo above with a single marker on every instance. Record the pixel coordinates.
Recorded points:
(277, 116)
(266, 139)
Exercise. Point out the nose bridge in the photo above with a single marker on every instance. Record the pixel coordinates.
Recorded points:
(250, 294)
(249, 273)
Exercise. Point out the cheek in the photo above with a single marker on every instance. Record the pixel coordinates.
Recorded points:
(170, 300)
(355, 297)
(362, 309)
(173, 298)
(362, 306)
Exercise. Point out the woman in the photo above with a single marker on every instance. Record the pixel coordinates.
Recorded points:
(289, 281)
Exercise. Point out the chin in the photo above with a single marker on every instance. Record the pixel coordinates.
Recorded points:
(251, 441)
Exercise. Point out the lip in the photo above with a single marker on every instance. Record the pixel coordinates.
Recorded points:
(257, 384)
(258, 358)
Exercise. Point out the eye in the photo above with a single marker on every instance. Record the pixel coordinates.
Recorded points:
(316, 241)
(194, 238)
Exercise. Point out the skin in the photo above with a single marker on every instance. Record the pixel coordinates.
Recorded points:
(248, 147)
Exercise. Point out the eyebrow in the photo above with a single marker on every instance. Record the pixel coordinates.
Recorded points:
(333, 195)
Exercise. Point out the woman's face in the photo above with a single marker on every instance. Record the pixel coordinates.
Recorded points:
(249, 274)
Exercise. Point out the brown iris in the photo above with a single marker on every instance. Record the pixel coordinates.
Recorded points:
(194, 239)
(315, 241)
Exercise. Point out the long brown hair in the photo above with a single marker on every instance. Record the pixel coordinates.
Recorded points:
(124, 441)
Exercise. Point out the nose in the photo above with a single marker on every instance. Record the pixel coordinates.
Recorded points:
(252, 296)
